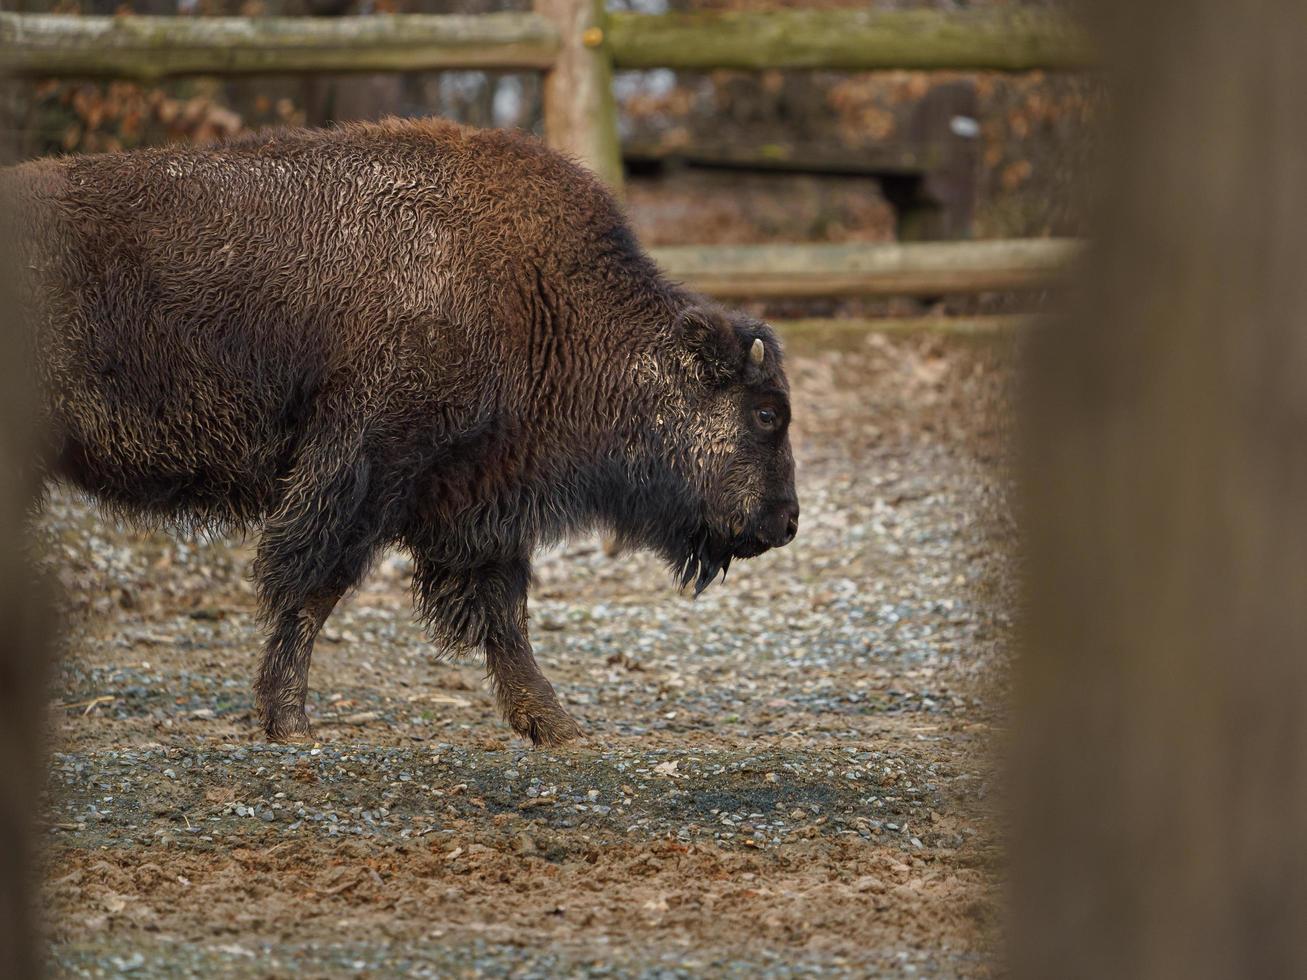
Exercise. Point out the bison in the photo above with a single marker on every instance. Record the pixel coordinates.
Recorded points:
(408, 333)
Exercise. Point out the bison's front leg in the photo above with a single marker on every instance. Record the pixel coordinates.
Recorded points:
(526, 698)
(486, 606)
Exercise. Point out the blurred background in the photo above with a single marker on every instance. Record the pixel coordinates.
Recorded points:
(711, 156)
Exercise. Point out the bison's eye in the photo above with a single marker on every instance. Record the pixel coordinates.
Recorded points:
(767, 419)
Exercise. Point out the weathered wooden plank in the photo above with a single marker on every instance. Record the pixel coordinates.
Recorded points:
(154, 47)
(965, 326)
(579, 108)
(151, 47)
(998, 39)
(922, 269)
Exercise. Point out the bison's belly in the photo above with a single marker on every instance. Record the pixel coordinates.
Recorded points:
(176, 441)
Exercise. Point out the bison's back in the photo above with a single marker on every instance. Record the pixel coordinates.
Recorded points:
(207, 310)
(201, 307)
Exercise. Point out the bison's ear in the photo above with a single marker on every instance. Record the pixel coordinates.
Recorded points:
(707, 333)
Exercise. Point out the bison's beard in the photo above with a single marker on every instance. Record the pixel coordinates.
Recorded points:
(708, 553)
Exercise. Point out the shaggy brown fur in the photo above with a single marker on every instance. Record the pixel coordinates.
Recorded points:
(410, 333)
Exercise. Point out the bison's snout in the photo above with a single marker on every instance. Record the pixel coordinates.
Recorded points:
(780, 525)
(788, 521)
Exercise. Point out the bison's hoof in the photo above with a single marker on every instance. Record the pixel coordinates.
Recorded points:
(291, 738)
(288, 729)
(547, 730)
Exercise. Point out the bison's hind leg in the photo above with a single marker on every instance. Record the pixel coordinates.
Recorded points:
(315, 547)
(283, 683)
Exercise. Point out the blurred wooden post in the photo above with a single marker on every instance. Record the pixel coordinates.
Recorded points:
(23, 648)
(23, 677)
(580, 112)
(1161, 775)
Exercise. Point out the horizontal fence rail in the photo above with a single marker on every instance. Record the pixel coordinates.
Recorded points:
(147, 48)
(995, 39)
(915, 269)
(961, 325)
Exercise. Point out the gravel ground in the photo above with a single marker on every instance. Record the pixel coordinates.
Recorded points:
(786, 777)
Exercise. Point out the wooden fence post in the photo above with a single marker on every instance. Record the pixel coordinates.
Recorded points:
(24, 651)
(1161, 782)
(580, 112)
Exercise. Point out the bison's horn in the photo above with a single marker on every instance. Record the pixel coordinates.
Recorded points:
(757, 351)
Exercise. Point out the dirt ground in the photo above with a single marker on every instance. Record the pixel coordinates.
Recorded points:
(786, 777)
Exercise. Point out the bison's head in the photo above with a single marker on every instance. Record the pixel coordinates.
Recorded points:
(734, 417)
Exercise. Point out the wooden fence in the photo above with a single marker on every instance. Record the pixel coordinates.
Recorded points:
(917, 268)
(578, 45)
